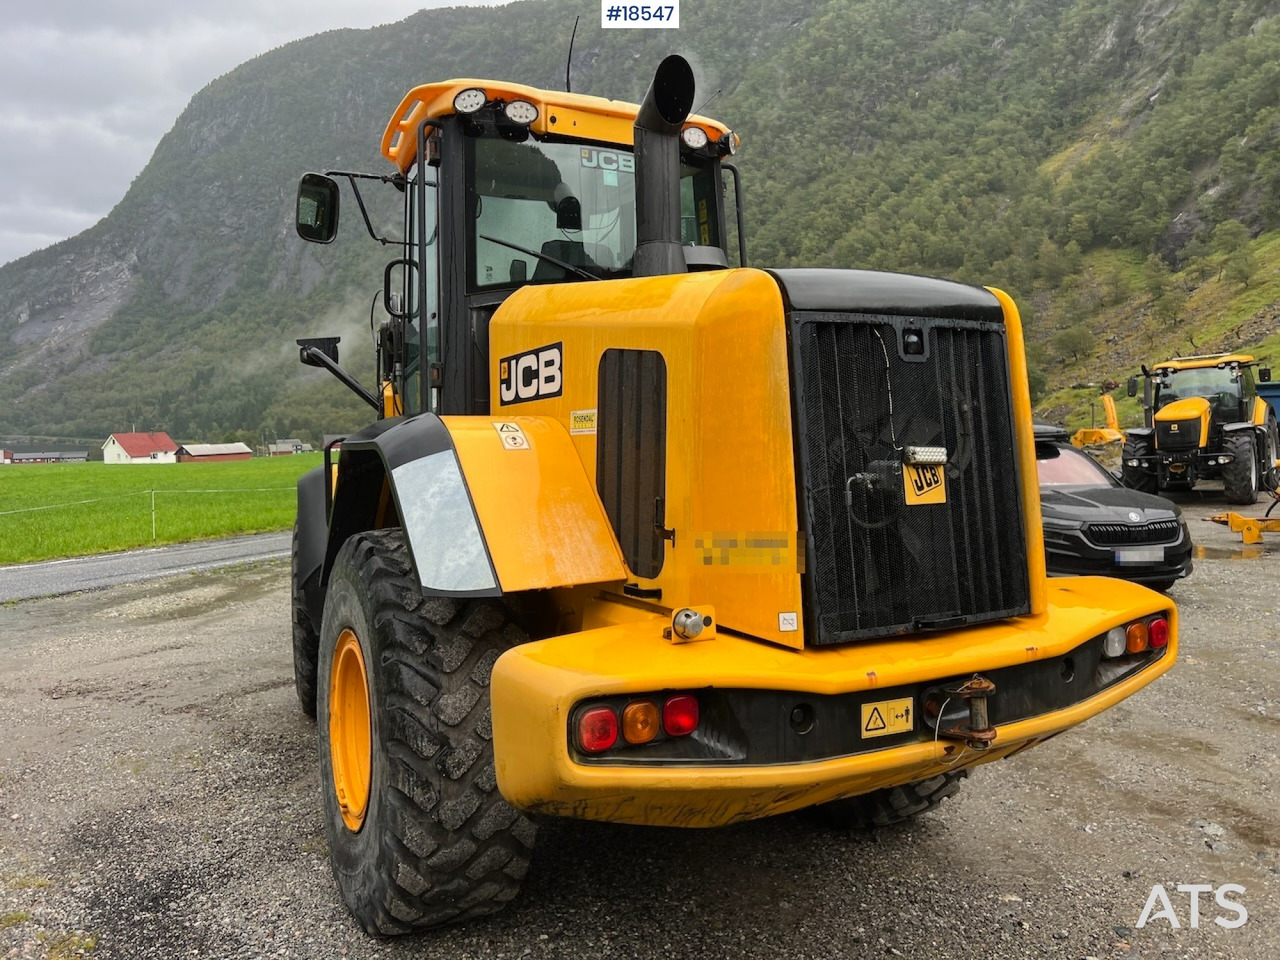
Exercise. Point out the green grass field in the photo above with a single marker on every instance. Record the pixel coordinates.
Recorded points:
(74, 509)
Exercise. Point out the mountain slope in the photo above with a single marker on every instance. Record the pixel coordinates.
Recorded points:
(1013, 142)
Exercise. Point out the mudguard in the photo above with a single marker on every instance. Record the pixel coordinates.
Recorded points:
(312, 527)
(1241, 425)
(488, 506)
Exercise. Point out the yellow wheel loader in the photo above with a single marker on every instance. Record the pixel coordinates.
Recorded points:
(639, 537)
(1204, 421)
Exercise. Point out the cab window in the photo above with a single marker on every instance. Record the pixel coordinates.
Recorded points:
(533, 203)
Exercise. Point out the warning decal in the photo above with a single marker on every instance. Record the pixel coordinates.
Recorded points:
(887, 717)
(513, 437)
(582, 421)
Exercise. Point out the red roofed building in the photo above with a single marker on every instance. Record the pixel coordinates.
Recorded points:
(140, 448)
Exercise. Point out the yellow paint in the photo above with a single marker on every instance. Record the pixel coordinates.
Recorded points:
(1026, 451)
(535, 686)
(884, 718)
(1250, 529)
(542, 520)
(923, 484)
(1197, 363)
(1098, 436)
(730, 462)
(1260, 410)
(1109, 408)
(562, 114)
(392, 406)
(350, 748)
(1188, 408)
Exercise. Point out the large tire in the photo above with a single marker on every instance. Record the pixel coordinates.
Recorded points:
(882, 808)
(436, 842)
(1269, 476)
(1240, 477)
(1143, 476)
(306, 642)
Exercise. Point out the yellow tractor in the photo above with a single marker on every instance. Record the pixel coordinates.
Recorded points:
(643, 538)
(1204, 421)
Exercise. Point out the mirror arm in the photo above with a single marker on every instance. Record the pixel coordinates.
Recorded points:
(737, 210)
(313, 357)
(364, 212)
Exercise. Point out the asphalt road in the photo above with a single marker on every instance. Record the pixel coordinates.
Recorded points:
(159, 798)
(54, 577)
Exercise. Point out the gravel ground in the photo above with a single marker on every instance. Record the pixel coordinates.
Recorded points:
(159, 798)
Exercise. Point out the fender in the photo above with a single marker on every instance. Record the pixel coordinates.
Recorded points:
(1140, 432)
(312, 527)
(1240, 425)
(483, 514)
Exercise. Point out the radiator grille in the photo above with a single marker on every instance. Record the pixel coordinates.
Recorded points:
(875, 566)
(1121, 534)
(1173, 435)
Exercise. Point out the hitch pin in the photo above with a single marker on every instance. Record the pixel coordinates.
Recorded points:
(978, 733)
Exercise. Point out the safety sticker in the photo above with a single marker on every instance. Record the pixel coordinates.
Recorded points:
(788, 622)
(513, 437)
(582, 421)
(887, 717)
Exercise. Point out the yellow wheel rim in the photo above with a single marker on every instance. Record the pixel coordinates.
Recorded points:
(349, 742)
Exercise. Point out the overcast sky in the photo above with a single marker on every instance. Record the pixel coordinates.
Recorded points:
(88, 88)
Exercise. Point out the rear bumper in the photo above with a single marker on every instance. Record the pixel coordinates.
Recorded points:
(536, 687)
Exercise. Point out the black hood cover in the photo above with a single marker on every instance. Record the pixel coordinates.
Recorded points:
(1105, 505)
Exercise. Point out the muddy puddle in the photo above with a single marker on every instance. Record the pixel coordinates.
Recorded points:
(1253, 551)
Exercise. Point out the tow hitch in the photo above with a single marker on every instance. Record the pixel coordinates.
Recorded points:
(978, 733)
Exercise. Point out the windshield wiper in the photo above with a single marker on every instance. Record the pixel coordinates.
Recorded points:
(541, 256)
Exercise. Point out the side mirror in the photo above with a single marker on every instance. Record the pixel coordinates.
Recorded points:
(1133, 386)
(316, 219)
(1264, 374)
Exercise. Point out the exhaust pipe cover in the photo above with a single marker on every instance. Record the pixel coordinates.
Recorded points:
(657, 177)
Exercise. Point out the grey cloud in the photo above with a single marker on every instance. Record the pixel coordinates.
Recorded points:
(88, 88)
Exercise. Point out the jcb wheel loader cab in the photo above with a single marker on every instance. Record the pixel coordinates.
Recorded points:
(680, 548)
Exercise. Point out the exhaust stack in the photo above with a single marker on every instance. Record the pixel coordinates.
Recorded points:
(657, 153)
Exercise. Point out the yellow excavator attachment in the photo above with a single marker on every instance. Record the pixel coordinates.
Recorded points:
(1099, 436)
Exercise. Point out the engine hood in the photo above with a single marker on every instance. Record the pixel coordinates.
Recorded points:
(1105, 505)
(1188, 408)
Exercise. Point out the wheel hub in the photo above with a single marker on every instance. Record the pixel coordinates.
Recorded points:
(349, 740)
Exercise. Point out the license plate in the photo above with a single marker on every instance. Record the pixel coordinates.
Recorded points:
(1128, 555)
(887, 717)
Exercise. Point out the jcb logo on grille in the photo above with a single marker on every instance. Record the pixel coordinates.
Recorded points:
(532, 375)
(923, 483)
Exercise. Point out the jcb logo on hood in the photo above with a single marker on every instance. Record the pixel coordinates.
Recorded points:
(532, 375)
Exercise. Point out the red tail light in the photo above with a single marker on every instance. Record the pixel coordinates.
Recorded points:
(680, 715)
(1159, 633)
(597, 729)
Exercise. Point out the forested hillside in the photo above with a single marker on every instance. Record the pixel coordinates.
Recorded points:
(1115, 164)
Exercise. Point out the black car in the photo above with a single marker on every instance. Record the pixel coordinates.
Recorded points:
(1093, 525)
